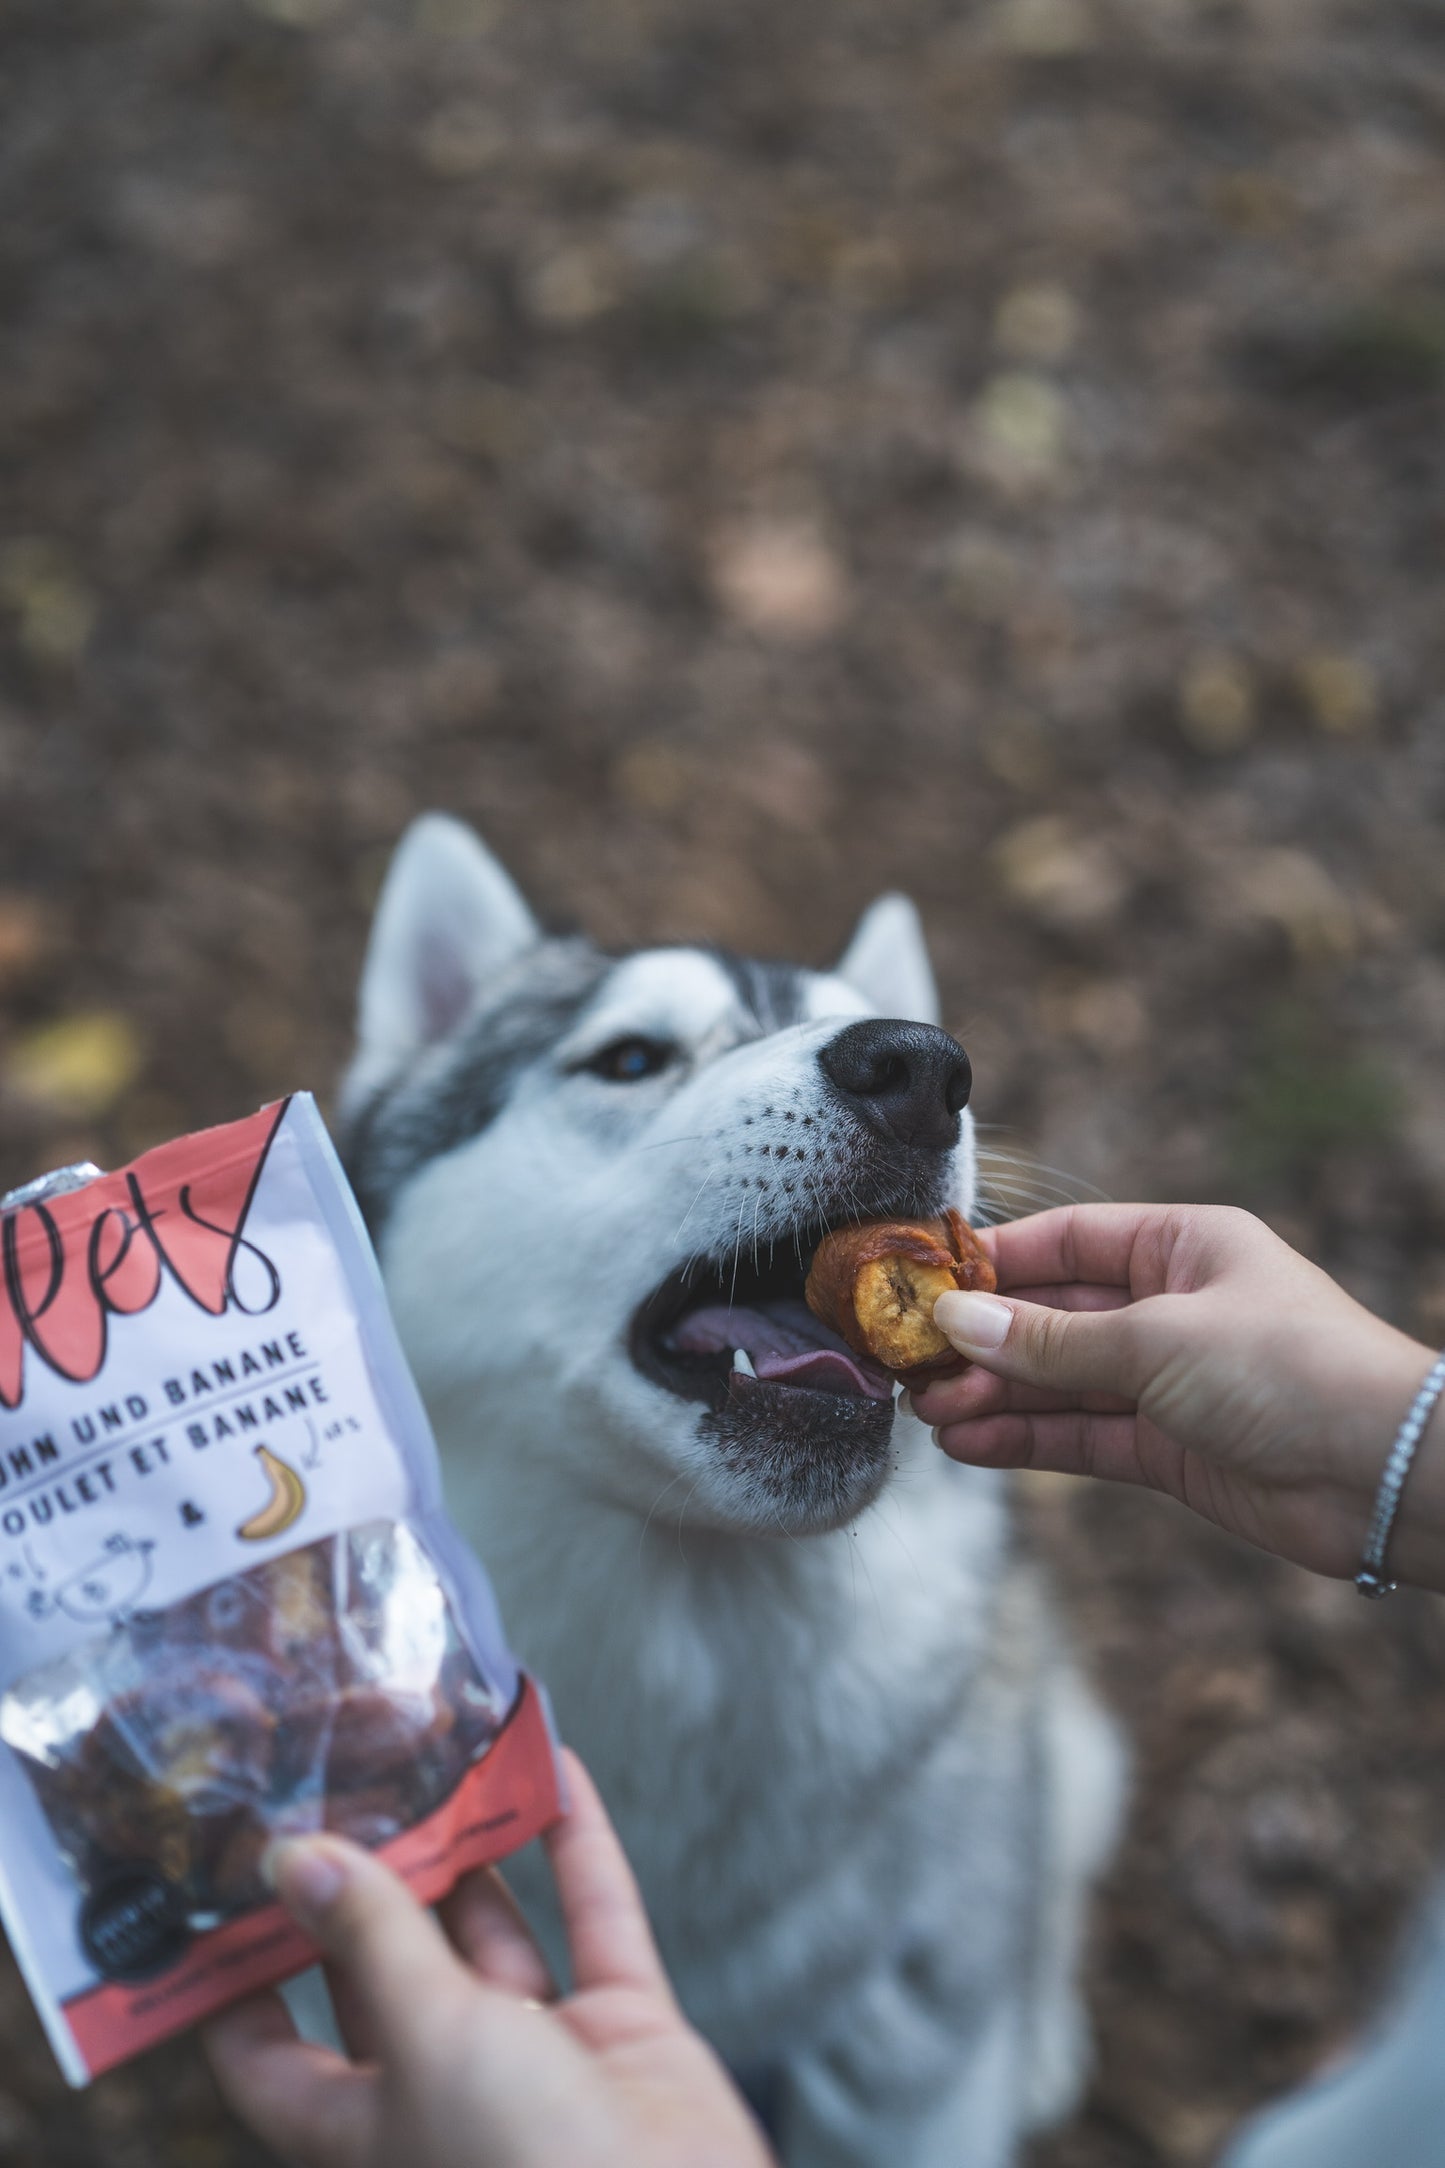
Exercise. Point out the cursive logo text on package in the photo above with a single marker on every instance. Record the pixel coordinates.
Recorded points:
(74, 1262)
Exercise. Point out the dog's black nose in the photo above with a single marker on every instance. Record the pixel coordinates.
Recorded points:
(912, 1079)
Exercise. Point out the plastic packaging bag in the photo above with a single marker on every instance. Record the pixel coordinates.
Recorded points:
(231, 1606)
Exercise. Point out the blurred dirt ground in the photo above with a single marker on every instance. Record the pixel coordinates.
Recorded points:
(745, 457)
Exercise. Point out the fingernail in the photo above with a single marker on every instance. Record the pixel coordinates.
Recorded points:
(905, 1403)
(973, 1320)
(307, 1877)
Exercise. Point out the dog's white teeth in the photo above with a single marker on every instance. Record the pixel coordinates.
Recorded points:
(743, 1361)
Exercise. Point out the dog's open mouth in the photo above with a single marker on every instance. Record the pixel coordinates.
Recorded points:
(715, 1331)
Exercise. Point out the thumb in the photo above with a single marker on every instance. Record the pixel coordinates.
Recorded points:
(1089, 1351)
(399, 1969)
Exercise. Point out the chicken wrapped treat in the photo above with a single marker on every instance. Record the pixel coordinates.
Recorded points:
(876, 1284)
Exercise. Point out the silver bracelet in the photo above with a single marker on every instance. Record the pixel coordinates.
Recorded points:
(1370, 1580)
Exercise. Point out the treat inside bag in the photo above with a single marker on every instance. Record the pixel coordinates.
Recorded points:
(231, 1605)
(327, 1690)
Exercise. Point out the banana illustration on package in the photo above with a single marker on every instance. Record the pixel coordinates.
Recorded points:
(288, 1496)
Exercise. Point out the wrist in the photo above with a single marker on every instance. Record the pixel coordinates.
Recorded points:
(1416, 1547)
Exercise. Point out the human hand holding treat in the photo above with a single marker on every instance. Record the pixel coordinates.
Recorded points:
(1189, 1349)
(462, 2055)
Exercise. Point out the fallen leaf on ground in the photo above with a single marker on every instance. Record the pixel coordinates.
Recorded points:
(80, 1064)
(1294, 891)
(780, 578)
(1043, 28)
(1216, 704)
(1339, 692)
(25, 934)
(652, 777)
(1036, 323)
(1063, 879)
(53, 608)
(571, 286)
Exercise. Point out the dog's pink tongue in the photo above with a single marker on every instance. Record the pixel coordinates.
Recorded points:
(786, 1344)
(825, 1370)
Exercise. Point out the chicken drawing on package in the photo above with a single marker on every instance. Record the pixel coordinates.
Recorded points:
(231, 1604)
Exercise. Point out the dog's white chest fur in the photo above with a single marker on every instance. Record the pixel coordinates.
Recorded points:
(749, 1708)
(862, 1787)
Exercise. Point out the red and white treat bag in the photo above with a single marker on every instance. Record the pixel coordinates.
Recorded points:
(232, 1606)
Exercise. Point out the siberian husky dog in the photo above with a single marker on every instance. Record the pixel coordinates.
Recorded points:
(823, 1692)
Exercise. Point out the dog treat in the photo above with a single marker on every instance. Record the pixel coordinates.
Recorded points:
(231, 1605)
(189, 1762)
(876, 1284)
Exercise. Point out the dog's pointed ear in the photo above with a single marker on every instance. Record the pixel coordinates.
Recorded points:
(447, 920)
(887, 962)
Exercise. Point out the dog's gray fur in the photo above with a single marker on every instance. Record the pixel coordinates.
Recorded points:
(455, 1090)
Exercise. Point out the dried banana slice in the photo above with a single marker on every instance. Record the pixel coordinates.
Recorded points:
(876, 1285)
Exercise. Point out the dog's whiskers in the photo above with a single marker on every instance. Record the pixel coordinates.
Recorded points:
(681, 1517)
(1016, 1186)
(790, 1533)
(657, 1501)
(1011, 1184)
(737, 1249)
(687, 1215)
(999, 1170)
(894, 1532)
(868, 1577)
(1025, 1197)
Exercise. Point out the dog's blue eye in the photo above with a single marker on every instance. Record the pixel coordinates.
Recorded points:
(628, 1061)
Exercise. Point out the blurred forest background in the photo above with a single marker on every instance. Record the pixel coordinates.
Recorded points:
(745, 456)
